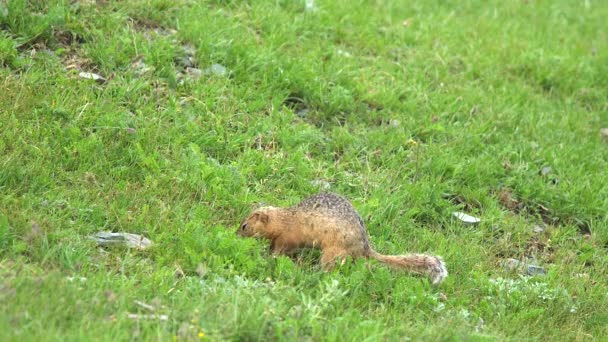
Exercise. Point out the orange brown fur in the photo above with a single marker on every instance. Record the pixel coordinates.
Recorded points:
(329, 222)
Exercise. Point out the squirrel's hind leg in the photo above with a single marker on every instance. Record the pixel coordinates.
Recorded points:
(330, 256)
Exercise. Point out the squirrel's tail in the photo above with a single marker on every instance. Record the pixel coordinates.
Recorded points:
(430, 265)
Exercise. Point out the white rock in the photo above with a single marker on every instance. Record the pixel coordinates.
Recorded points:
(468, 219)
(320, 183)
(194, 73)
(108, 239)
(604, 133)
(148, 317)
(91, 76)
(538, 229)
(216, 70)
(524, 267)
(310, 5)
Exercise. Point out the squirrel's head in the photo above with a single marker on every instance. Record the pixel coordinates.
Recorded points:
(255, 224)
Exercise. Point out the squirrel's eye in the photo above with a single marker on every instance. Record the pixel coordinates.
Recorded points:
(243, 226)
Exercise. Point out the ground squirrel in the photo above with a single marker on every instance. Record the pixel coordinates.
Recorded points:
(329, 222)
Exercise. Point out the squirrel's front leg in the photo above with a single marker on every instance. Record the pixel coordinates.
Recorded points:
(280, 247)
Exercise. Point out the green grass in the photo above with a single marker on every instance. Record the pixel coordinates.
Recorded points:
(457, 111)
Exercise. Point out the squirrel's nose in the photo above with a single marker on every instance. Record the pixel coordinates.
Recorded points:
(242, 229)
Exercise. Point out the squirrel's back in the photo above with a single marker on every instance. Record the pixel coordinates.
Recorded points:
(330, 204)
(336, 206)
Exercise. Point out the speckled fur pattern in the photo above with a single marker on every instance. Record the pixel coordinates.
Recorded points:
(330, 222)
(337, 206)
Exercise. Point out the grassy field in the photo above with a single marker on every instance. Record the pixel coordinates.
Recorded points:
(411, 109)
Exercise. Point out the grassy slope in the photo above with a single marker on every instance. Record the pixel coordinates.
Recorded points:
(411, 122)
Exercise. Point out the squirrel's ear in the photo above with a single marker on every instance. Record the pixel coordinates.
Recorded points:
(264, 218)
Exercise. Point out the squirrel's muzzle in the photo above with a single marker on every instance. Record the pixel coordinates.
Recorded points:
(242, 229)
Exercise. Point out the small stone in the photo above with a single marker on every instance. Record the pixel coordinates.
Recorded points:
(185, 62)
(511, 264)
(216, 70)
(80, 279)
(189, 50)
(479, 326)
(111, 297)
(201, 270)
(91, 76)
(128, 240)
(529, 269)
(48, 52)
(302, 112)
(310, 6)
(535, 270)
(341, 52)
(144, 305)
(194, 73)
(136, 333)
(179, 273)
(473, 110)
(545, 171)
(184, 330)
(87, 2)
(147, 317)
(140, 67)
(321, 184)
(156, 302)
(604, 133)
(538, 229)
(90, 177)
(467, 219)
(35, 232)
(165, 32)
